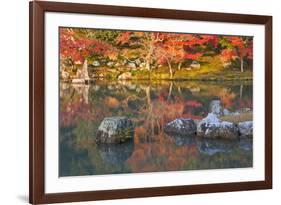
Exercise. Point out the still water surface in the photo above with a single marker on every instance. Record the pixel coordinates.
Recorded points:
(150, 105)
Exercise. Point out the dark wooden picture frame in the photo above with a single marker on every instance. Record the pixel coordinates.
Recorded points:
(37, 10)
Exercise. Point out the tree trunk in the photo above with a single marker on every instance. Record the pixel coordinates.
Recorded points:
(170, 91)
(149, 118)
(147, 65)
(242, 64)
(86, 93)
(72, 65)
(85, 70)
(241, 92)
(147, 92)
(148, 57)
(170, 69)
(179, 90)
(179, 65)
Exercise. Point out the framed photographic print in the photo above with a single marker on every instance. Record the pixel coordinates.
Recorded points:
(139, 102)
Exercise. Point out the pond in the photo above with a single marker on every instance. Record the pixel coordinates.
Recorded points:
(149, 105)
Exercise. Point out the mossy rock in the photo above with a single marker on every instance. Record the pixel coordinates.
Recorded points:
(115, 130)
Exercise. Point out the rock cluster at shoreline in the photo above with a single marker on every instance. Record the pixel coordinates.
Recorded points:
(212, 127)
(120, 129)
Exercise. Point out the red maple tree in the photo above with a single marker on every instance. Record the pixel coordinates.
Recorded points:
(77, 47)
(239, 47)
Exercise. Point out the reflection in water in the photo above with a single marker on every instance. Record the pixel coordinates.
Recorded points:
(182, 140)
(211, 147)
(150, 105)
(116, 154)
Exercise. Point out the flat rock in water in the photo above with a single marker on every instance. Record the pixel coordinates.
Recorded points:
(115, 130)
(246, 129)
(212, 127)
(181, 126)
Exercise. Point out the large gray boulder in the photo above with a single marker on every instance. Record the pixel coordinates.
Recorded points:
(246, 128)
(180, 126)
(115, 130)
(216, 107)
(212, 127)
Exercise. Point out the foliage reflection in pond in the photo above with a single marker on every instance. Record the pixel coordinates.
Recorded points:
(150, 105)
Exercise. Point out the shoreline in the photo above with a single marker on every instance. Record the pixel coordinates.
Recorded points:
(191, 79)
(162, 74)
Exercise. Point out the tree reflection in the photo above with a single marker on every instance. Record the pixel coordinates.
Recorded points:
(150, 105)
